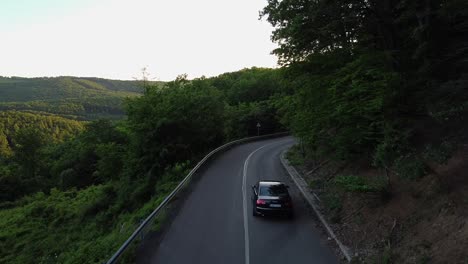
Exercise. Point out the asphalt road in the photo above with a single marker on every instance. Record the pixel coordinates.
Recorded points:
(215, 223)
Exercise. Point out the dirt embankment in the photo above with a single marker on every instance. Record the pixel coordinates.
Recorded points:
(385, 218)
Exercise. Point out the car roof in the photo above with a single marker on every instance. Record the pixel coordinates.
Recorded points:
(268, 183)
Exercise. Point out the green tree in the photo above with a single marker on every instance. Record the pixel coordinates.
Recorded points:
(175, 123)
(27, 148)
(5, 150)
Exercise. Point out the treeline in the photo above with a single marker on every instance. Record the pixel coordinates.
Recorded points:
(89, 187)
(374, 79)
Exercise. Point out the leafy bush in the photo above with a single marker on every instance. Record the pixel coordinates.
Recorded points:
(440, 153)
(385, 256)
(353, 184)
(358, 184)
(295, 156)
(333, 203)
(410, 167)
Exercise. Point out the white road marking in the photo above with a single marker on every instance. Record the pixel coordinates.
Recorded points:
(244, 194)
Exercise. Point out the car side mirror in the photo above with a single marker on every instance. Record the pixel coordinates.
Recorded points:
(287, 186)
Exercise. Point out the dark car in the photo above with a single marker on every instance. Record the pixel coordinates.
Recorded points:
(271, 197)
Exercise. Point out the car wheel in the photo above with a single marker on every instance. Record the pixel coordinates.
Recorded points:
(254, 212)
(290, 215)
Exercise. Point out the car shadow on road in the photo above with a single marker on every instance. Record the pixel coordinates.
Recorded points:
(276, 219)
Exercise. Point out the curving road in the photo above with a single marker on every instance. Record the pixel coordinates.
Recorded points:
(215, 224)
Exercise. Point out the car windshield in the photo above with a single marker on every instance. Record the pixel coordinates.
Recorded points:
(273, 190)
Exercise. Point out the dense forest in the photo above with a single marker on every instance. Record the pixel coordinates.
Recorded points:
(72, 97)
(87, 184)
(371, 77)
(377, 97)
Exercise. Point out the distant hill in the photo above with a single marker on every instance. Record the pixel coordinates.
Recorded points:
(72, 97)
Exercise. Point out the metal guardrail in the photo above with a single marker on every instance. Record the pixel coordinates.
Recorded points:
(151, 217)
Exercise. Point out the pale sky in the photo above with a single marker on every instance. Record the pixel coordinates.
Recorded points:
(117, 38)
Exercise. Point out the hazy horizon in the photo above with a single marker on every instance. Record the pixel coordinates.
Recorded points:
(136, 78)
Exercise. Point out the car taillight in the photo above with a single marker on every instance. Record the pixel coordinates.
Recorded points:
(259, 201)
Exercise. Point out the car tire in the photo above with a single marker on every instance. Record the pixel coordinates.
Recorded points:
(254, 212)
(290, 215)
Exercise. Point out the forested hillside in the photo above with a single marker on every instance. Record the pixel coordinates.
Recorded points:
(78, 98)
(378, 99)
(91, 190)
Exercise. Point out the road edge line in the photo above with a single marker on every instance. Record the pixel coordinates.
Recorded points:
(302, 186)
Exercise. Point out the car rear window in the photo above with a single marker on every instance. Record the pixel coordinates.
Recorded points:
(273, 190)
